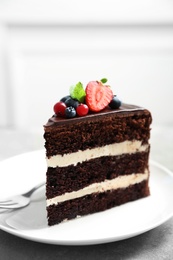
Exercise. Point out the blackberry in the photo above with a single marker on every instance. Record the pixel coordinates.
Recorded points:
(64, 98)
(70, 102)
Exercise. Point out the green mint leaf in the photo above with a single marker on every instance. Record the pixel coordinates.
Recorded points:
(104, 80)
(78, 92)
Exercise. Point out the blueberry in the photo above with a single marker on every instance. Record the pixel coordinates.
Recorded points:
(64, 98)
(70, 112)
(70, 102)
(115, 103)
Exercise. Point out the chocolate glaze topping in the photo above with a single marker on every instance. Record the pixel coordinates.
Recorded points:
(56, 120)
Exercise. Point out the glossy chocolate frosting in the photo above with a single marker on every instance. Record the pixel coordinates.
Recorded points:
(123, 110)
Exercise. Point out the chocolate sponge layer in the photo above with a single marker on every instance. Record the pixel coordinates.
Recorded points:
(73, 178)
(66, 136)
(95, 202)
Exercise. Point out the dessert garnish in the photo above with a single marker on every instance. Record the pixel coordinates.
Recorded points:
(59, 108)
(95, 97)
(82, 110)
(115, 102)
(78, 92)
(70, 112)
(98, 95)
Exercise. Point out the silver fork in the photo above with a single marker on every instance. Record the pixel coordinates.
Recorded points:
(19, 201)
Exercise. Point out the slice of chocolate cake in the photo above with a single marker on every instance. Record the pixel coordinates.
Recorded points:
(95, 161)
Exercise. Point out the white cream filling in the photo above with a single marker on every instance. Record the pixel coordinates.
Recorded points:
(119, 182)
(126, 147)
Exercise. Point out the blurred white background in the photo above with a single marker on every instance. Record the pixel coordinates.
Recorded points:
(46, 46)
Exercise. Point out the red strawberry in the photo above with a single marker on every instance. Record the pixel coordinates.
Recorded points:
(98, 96)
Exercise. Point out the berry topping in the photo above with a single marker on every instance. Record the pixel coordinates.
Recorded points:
(70, 112)
(70, 102)
(98, 96)
(64, 98)
(59, 108)
(78, 92)
(115, 103)
(82, 110)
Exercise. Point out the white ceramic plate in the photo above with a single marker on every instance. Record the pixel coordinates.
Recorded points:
(20, 173)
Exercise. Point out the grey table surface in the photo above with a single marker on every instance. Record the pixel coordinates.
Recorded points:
(154, 244)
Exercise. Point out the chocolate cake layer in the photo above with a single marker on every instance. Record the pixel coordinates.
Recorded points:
(95, 130)
(95, 202)
(72, 178)
(96, 162)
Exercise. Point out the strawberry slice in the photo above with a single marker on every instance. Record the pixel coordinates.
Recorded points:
(98, 96)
